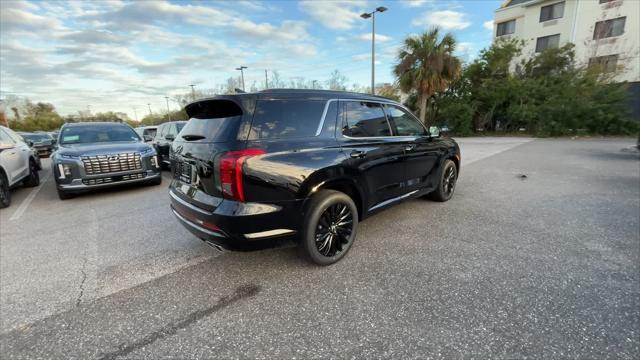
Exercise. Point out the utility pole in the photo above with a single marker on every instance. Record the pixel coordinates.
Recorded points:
(313, 84)
(193, 92)
(135, 113)
(266, 79)
(372, 15)
(168, 112)
(241, 68)
(150, 113)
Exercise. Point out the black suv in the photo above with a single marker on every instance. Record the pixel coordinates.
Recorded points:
(250, 170)
(164, 136)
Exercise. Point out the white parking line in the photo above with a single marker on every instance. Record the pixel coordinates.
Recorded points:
(27, 201)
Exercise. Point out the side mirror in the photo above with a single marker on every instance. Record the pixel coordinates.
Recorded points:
(30, 143)
(147, 138)
(170, 137)
(434, 131)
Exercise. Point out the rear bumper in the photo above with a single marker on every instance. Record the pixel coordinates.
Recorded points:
(239, 226)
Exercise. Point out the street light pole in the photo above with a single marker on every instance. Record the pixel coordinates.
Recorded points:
(150, 113)
(314, 84)
(193, 92)
(168, 112)
(372, 15)
(241, 68)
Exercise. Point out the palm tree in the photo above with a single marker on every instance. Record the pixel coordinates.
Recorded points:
(427, 65)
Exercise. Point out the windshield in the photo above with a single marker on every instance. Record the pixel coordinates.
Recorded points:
(98, 134)
(36, 137)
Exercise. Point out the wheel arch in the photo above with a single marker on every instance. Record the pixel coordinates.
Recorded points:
(344, 185)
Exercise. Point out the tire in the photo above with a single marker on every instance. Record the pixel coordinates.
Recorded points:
(324, 214)
(64, 195)
(33, 179)
(447, 184)
(5, 194)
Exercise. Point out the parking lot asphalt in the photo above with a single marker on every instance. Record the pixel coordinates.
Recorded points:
(537, 255)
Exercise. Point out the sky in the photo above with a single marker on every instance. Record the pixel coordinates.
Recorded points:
(113, 55)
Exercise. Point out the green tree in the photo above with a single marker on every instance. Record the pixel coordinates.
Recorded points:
(427, 65)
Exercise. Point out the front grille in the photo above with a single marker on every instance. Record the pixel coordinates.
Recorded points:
(104, 164)
(114, 179)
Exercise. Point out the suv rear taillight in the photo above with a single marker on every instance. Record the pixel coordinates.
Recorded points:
(231, 172)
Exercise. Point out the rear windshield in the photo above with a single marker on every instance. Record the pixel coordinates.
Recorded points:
(275, 119)
(214, 121)
(97, 134)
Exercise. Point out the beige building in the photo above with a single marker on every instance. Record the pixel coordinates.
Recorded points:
(605, 32)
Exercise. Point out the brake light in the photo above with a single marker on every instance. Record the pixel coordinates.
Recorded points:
(231, 172)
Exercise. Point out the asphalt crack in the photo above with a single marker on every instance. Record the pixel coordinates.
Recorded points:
(83, 271)
(244, 291)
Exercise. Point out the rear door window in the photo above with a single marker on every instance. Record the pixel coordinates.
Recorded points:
(404, 123)
(274, 119)
(364, 119)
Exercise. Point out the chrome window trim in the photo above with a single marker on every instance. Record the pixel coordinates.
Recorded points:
(377, 101)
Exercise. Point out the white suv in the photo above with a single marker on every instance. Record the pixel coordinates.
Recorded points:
(18, 163)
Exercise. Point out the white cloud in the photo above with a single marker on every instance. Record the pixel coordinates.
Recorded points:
(336, 15)
(414, 3)
(488, 25)
(379, 37)
(445, 19)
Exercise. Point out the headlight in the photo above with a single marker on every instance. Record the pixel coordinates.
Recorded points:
(67, 156)
(64, 170)
(148, 151)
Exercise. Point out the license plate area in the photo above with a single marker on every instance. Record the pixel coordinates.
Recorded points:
(184, 172)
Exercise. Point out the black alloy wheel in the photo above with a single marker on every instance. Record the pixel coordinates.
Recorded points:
(447, 183)
(334, 229)
(330, 224)
(33, 179)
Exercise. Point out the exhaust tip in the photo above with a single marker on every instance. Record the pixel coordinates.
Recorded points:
(215, 246)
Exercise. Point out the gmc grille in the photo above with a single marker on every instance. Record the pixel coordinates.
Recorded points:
(113, 179)
(105, 164)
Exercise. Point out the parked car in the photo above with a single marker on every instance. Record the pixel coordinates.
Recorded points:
(147, 133)
(18, 164)
(250, 170)
(165, 134)
(41, 142)
(95, 155)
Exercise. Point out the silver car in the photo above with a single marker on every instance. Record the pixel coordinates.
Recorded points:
(18, 163)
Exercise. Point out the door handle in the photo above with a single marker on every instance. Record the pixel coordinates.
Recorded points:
(357, 154)
(409, 148)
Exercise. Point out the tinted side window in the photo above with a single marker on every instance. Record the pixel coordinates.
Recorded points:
(404, 123)
(5, 139)
(364, 119)
(162, 131)
(286, 118)
(172, 130)
(14, 136)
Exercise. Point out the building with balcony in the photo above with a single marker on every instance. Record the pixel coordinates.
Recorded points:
(604, 32)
